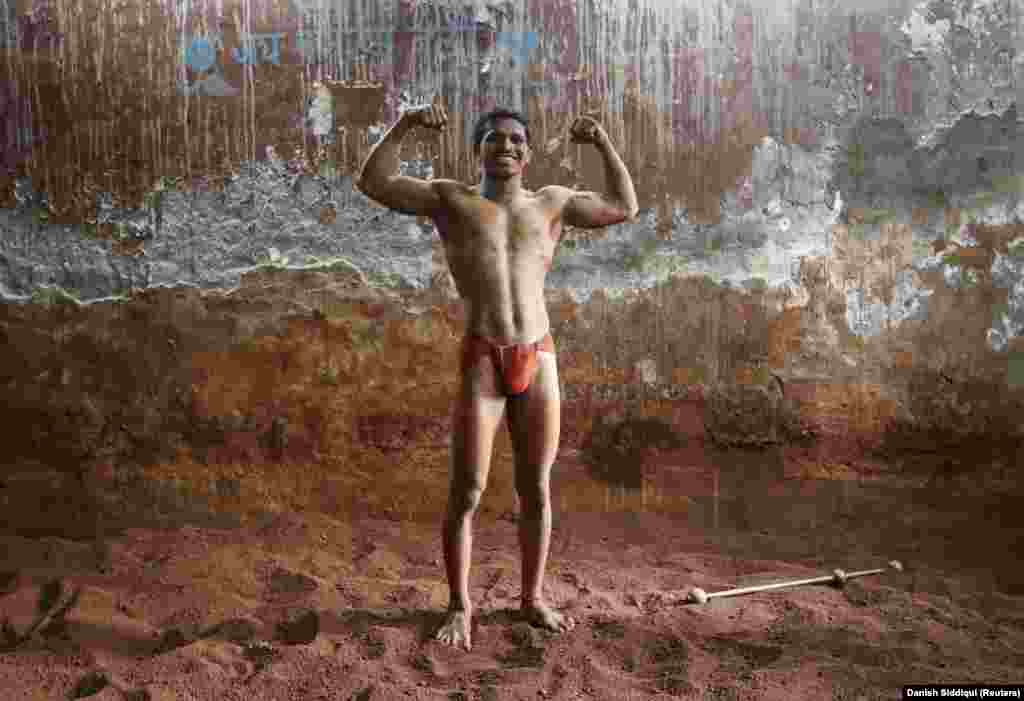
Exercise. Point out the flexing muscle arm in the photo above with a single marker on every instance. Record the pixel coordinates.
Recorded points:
(588, 210)
(591, 210)
(379, 179)
(401, 193)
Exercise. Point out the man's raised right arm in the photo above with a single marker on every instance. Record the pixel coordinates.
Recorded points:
(379, 178)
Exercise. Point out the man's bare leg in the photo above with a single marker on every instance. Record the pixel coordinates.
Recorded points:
(534, 424)
(477, 416)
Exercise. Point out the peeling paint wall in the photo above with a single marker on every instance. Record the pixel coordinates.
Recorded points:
(829, 193)
(854, 104)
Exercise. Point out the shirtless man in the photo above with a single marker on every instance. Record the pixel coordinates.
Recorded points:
(500, 240)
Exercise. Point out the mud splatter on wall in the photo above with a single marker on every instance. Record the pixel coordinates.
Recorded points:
(121, 97)
(830, 204)
(196, 88)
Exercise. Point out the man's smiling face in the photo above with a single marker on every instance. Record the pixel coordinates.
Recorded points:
(504, 151)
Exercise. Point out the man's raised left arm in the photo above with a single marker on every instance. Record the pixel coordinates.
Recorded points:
(620, 184)
(591, 210)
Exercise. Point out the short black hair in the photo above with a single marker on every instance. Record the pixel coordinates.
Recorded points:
(481, 124)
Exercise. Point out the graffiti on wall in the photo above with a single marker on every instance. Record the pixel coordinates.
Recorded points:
(201, 56)
(319, 40)
(33, 31)
(17, 136)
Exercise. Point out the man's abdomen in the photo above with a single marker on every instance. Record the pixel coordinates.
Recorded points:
(506, 318)
(504, 301)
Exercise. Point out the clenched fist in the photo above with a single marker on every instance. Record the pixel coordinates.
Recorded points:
(431, 116)
(586, 130)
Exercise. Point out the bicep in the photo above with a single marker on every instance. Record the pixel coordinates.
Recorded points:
(590, 210)
(412, 196)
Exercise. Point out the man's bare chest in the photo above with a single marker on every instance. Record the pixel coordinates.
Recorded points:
(474, 228)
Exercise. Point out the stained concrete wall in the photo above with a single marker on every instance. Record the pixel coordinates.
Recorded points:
(830, 246)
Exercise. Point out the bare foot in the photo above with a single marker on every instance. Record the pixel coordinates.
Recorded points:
(455, 629)
(539, 614)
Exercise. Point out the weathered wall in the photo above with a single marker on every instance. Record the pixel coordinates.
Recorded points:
(829, 254)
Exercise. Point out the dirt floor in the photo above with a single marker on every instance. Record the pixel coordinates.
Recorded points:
(305, 606)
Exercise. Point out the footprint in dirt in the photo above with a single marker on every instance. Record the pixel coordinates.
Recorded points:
(606, 628)
(435, 666)
(282, 583)
(670, 655)
(737, 653)
(299, 627)
(236, 630)
(488, 682)
(529, 646)
(89, 685)
(408, 596)
(859, 596)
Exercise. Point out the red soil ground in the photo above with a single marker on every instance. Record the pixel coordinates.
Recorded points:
(197, 613)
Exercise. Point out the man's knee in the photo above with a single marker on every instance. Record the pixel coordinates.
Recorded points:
(534, 493)
(465, 498)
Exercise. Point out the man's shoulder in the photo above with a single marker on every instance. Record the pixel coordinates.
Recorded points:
(555, 195)
(560, 192)
(450, 186)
